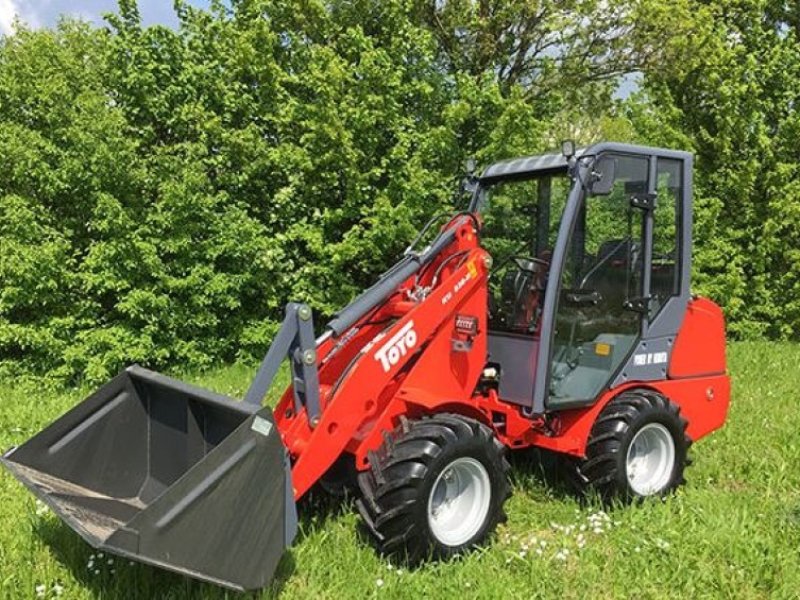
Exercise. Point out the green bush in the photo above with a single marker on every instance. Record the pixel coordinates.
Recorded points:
(164, 192)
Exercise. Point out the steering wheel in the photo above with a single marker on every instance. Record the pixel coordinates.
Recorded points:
(521, 260)
(530, 277)
(525, 263)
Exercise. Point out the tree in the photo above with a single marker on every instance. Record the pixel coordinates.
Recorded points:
(735, 101)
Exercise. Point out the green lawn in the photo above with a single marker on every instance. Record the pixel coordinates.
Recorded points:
(732, 531)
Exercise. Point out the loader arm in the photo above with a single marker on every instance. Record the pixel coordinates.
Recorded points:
(362, 369)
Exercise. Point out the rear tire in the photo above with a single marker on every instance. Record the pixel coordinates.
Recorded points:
(637, 448)
(436, 488)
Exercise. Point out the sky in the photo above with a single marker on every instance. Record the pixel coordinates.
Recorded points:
(44, 13)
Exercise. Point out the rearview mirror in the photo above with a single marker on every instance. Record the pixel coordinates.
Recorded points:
(602, 175)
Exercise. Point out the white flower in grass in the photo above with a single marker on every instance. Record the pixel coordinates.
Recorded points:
(379, 582)
(522, 554)
(110, 561)
(41, 508)
(58, 589)
(40, 590)
(467, 584)
(539, 551)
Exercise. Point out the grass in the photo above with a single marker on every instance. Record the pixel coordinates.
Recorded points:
(732, 531)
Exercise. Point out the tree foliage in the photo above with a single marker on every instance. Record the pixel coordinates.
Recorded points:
(734, 102)
(166, 191)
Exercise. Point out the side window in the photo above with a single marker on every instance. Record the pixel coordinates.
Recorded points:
(509, 218)
(611, 253)
(665, 277)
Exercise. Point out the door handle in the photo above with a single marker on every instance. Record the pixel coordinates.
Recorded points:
(639, 305)
(583, 297)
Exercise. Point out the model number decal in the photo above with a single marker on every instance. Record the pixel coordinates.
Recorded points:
(397, 347)
(456, 288)
(649, 358)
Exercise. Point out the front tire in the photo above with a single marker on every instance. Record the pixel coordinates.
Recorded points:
(339, 481)
(436, 488)
(637, 448)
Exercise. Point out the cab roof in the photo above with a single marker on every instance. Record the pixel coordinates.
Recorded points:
(556, 162)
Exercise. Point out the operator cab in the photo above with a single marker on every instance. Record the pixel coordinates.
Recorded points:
(610, 252)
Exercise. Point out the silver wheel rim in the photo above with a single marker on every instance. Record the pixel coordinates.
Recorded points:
(650, 459)
(459, 501)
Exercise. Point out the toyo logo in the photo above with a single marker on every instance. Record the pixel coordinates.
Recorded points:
(397, 347)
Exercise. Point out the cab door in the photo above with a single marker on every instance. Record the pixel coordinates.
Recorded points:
(600, 306)
(521, 218)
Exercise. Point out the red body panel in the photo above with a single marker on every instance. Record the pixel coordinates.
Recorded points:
(408, 359)
(700, 345)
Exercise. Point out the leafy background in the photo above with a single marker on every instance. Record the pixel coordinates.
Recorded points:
(164, 191)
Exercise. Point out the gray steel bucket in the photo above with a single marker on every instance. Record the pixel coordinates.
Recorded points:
(169, 474)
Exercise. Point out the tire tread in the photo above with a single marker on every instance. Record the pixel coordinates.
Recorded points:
(392, 486)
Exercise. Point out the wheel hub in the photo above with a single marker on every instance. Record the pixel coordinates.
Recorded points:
(650, 459)
(459, 501)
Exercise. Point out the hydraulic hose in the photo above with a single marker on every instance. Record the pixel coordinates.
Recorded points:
(388, 283)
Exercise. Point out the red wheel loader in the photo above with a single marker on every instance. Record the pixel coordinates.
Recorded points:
(555, 312)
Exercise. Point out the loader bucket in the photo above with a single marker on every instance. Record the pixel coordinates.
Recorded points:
(168, 474)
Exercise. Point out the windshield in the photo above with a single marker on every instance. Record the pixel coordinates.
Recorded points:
(521, 218)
